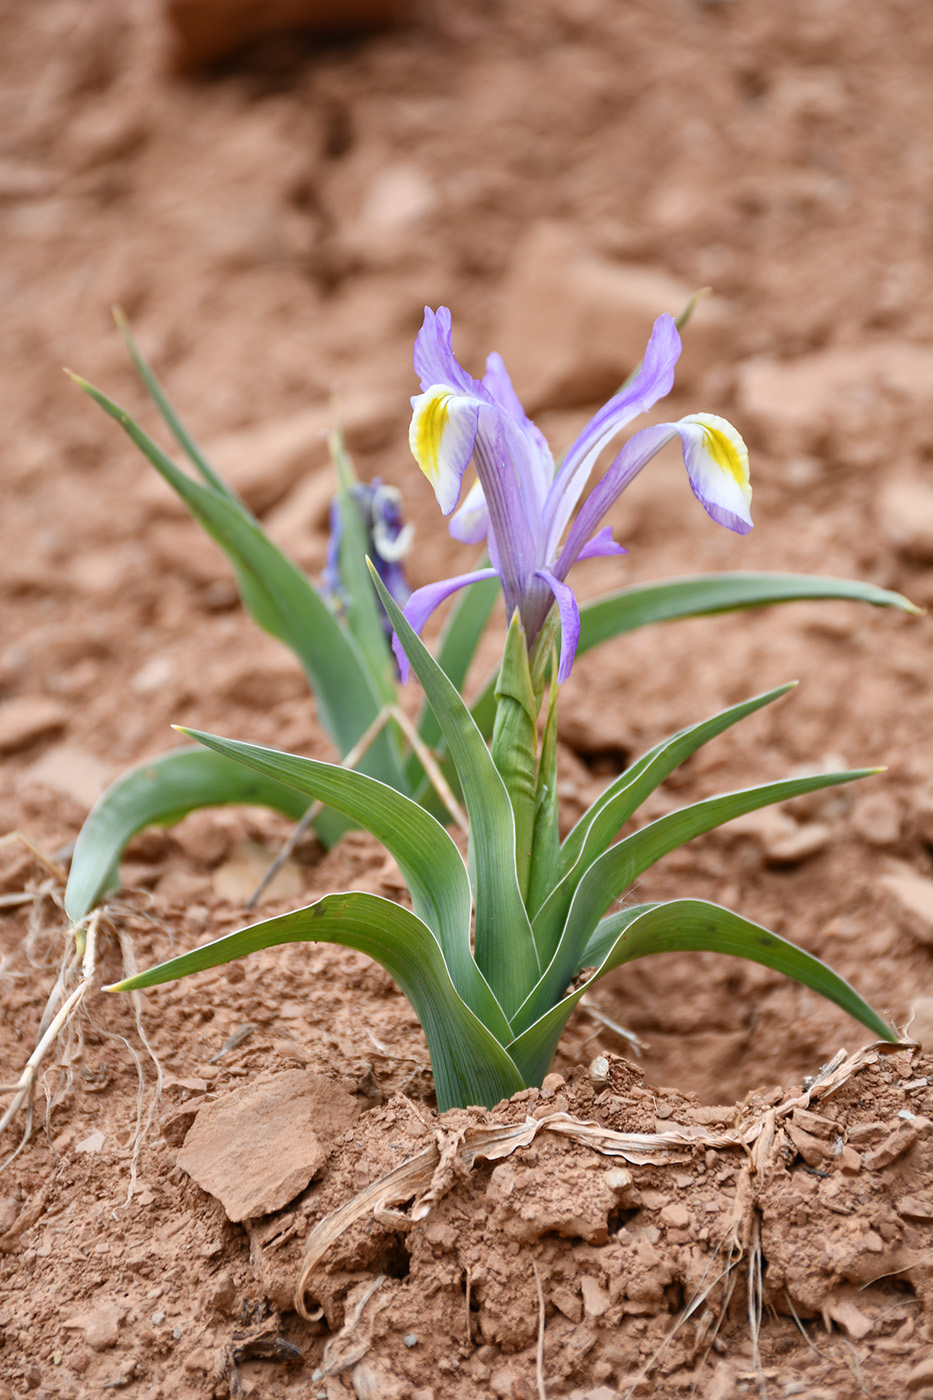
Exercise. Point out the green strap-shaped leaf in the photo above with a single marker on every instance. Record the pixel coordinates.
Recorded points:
(699, 596)
(621, 799)
(162, 790)
(431, 865)
(505, 949)
(680, 926)
(545, 850)
(175, 426)
(713, 593)
(514, 746)
(284, 603)
(610, 875)
(469, 1064)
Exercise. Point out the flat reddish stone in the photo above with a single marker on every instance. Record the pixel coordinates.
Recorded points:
(258, 1147)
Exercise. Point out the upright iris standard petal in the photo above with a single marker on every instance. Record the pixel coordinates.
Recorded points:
(519, 506)
(435, 361)
(653, 381)
(442, 436)
(716, 459)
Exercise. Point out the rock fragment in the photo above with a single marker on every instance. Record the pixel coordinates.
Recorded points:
(724, 1384)
(265, 461)
(92, 1143)
(812, 1149)
(783, 840)
(373, 1382)
(101, 1325)
(877, 818)
(28, 718)
(676, 1215)
(528, 1204)
(842, 1308)
(794, 399)
(74, 772)
(907, 518)
(398, 198)
(595, 1299)
(915, 1208)
(574, 323)
(261, 1145)
(239, 875)
(894, 1146)
(205, 31)
(567, 1302)
(914, 894)
(921, 1375)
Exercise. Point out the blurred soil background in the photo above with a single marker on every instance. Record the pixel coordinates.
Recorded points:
(273, 208)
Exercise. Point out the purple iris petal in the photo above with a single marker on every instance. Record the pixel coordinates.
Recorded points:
(470, 522)
(435, 361)
(448, 423)
(519, 506)
(625, 466)
(423, 602)
(714, 482)
(515, 530)
(653, 381)
(601, 545)
(569, 621)
(539, 459)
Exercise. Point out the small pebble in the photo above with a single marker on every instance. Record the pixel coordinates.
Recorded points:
(158, 1318)
(599, 1070)
(410, 1339)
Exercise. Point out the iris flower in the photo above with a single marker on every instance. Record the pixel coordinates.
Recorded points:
(520, 505)
(389, 540)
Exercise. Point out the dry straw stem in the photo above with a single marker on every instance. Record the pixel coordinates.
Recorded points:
(354, 1339)
(430, 1174)
(59, 1026)
(51, 865)
(24, 1089)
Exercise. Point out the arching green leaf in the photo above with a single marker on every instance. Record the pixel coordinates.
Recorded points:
(714, 593)
(621, 799)
(284, 603)
(615, 870)
(469, 1064)
(504, 946)
(429, 861)
(680, 926)
(162, 791)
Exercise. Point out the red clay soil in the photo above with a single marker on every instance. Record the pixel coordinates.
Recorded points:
(557, 172)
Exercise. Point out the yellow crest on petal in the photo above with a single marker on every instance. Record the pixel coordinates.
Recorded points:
(725, 446)
(429, 422)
